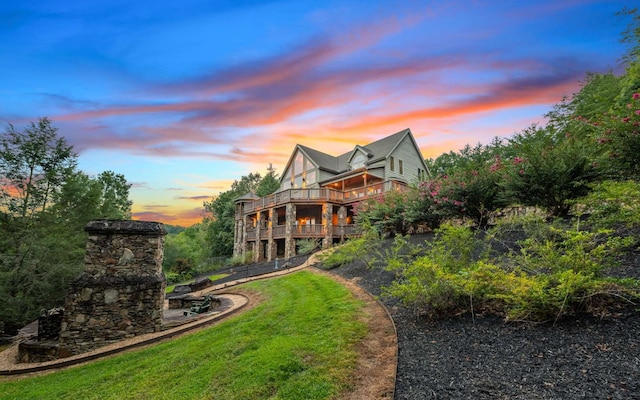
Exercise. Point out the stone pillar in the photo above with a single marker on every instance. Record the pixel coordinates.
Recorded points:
(342, 220)
(120, 294)
(272, 248)
(257, 254)
(290, 226)
(243, 245)
(327, 223)
(238, 237)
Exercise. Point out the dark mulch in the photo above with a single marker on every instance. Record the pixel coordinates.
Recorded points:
(585, 357)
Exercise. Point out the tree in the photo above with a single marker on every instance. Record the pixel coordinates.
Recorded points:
(269, 183)
(44, 205)
(551, 168)
(220, 225)
(33, 166)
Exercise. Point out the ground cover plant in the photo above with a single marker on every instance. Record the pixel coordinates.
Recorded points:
(552, 272)
(299, 343)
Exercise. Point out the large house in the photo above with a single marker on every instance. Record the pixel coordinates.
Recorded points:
(317, 193)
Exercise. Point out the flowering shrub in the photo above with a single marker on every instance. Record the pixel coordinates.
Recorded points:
(385, 214)
(475, 192)
(619, 134)
(551, 168)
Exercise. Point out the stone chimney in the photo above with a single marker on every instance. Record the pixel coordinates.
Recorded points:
(121, 292)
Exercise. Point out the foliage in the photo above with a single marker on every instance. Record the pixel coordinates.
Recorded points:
(243, 259)
(269, 183)
(423, 206)
(275, 350)
(553, 275)
(306, 246)
(549, 169)
(618, 133)
(184, 252)
(221, 222)
(356, 249)
(386, 213)
(612, 203)
(44, 205)
(471, 188)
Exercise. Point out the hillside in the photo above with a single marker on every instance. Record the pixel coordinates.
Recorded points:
(483, 357)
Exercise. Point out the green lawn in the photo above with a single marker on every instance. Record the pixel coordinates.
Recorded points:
(215, 277)
(299, 343)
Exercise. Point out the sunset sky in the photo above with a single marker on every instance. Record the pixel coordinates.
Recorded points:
(183, 97)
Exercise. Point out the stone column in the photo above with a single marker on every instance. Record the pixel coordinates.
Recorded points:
(327, 223)
(257, 253)
(120, 294)
(271, 249)
(289, 240)
(342, 220)
(243, 245)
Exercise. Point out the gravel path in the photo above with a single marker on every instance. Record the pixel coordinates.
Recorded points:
(486, 358)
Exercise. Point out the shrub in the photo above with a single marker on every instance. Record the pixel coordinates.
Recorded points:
(555, 273)
(306, 246)
(549, 169)
(247, 258)
(612, 204)
(357, 249)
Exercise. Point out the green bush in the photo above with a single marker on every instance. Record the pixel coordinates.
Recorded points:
(247, 258)
(306, 246)
(352, 250)
(612, 203)
(555, 273)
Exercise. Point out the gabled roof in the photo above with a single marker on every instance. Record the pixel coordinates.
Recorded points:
(322, 160)
(376, 151)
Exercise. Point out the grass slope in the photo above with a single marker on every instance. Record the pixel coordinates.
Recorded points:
(299, 343)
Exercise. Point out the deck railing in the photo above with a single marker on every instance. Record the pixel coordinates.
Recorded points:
(319, 194)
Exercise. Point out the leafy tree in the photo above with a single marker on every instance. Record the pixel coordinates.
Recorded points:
(44, 204)
(33, 166)
(184, 252)
(550, 169)
(269, 183)
(220, 225)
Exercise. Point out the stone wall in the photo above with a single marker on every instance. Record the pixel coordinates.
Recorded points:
(120, 294)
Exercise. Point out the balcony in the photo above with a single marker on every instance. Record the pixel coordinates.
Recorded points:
(322, 194)
(309, 230)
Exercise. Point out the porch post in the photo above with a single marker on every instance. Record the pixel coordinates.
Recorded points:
(289, 241)
(327, 223)
(272, 248)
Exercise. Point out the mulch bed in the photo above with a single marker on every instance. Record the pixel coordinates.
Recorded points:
(585, 357)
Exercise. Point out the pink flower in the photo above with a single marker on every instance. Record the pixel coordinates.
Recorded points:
(625, 119)
(518, 160)
(636, 96)
(637, 112)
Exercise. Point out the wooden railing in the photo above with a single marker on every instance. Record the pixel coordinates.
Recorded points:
(308, 230)
(326, 194)
(279, 231)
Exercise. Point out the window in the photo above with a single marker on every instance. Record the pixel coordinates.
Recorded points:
(297, 164)
(311, 177)
(400, 167)
(357, 161)
(392, 164)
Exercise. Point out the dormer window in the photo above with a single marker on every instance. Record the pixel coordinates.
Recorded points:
(358, 161)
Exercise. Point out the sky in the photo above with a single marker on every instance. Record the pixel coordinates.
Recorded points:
(184, 97)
